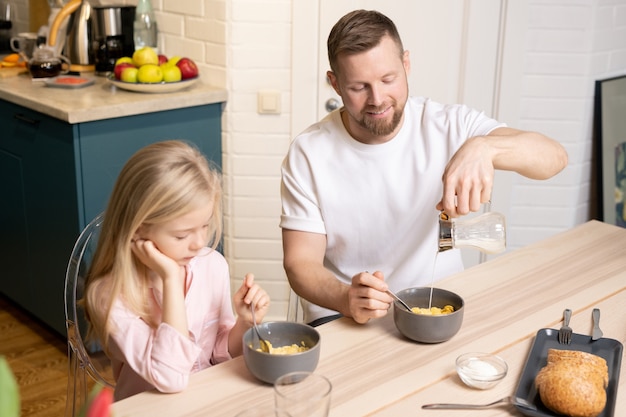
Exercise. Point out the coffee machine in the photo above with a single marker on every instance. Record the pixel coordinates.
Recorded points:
(96, 36)
(112, 35)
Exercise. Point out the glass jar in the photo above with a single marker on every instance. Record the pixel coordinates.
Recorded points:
(45, 63)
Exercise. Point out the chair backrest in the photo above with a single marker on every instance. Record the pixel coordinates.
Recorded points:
(294, 308)
(84, 359)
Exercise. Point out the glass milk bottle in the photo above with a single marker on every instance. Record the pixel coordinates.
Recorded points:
(145, 26)
(486, 233)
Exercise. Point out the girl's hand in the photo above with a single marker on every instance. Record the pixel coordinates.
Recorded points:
(249, 293)
(154, 259)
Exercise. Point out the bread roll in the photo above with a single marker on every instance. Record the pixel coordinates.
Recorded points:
(573, 383)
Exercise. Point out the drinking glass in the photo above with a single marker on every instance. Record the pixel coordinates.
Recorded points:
(302, 394)
(6, 26)
(257, 412)
(5, 11)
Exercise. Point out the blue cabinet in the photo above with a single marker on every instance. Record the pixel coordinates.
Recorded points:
(56, 177)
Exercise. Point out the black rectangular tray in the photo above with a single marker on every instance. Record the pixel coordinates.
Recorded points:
(609, 349)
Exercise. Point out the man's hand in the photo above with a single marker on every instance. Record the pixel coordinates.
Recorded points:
(468, 178)
(367, 297)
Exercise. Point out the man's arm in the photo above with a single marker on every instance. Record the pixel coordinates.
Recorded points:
(468, 177)
(304, 264)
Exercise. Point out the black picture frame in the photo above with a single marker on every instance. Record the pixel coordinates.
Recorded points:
(610, 131)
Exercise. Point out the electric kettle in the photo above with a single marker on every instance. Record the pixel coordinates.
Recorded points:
(79, 35)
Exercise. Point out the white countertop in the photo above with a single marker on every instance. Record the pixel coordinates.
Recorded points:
(101, 100)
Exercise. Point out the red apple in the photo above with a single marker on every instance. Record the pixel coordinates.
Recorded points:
(162, 59)
(188, 68)
(119, 68)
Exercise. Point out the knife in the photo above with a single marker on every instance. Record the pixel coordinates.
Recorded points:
(596, 333)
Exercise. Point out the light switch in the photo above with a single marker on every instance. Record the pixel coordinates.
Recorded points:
(268, 102)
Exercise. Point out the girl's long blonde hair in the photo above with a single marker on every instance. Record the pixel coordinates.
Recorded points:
(160, 182)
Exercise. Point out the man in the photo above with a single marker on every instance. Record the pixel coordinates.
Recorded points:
(362, 189)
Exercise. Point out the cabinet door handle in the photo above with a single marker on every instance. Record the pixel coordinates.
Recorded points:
(26, 119)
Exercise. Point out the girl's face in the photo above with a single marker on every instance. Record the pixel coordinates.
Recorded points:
(182, 238)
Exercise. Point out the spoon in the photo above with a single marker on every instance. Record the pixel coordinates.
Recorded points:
(265, 345)
(395, 297)
(398, 299)
(520, 402)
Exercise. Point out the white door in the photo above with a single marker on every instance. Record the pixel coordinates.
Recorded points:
(456, 50)
(453, 46)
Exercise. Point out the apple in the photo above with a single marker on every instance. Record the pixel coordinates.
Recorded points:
(162, 59)
(188, 68)
(173, 60)
(117, 71)
(171, 73)
(144, 56)
(129, 74)
(150, 73)
(123, 59)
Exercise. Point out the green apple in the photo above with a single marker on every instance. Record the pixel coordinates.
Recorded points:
(171, 73)
(149, 73)
(144, 56)
(129, 75)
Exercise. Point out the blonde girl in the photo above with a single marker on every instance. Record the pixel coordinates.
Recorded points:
(158, 292)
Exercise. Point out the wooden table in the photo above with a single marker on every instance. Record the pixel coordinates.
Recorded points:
(375, 371)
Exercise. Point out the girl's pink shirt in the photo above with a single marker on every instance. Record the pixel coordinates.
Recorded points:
(144, 358)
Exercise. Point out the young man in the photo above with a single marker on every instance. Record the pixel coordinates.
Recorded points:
(362, 188)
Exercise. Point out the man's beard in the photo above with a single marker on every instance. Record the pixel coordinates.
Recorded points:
(382, 127)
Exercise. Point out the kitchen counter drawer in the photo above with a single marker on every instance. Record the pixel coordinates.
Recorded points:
(38, 206)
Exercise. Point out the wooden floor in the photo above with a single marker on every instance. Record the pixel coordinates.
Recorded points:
(38, 358)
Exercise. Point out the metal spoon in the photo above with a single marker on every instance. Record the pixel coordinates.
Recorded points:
(405, 305)
(395, 297)
(265, 345)
(520, 402)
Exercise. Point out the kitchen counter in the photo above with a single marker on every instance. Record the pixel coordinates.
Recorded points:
(101, 100)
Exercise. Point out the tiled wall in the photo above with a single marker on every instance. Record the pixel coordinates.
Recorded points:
(245, 46)
(259, 59)
(570, 44)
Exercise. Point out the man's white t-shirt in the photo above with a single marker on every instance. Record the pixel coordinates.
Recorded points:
(376, 203)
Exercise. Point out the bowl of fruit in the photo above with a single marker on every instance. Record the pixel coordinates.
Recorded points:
(148, 72)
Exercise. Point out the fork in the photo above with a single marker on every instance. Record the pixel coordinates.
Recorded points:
(597, 333)
(565, 333)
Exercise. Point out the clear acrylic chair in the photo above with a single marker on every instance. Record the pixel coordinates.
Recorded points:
(294, 308)
(84, 360)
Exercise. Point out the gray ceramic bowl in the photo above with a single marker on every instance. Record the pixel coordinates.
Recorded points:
(268, 367)
(424, 328)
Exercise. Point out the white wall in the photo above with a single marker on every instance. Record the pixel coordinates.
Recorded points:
(245, 46)
(569, 45)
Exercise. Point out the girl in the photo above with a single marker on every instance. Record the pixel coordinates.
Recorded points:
(156, 295)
